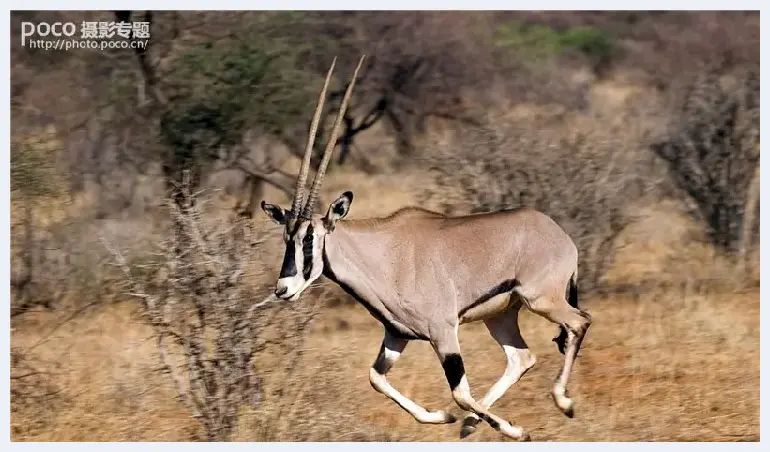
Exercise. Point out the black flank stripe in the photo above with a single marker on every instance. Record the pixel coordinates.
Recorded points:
(505, 286)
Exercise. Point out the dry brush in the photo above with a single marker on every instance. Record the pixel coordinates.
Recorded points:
(209, 321)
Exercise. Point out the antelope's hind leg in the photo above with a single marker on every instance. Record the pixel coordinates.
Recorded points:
(447, 347)
(505, 330)
(575, 323)
(390, 352)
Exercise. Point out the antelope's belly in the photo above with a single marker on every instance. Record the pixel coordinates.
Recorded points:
(490, 308)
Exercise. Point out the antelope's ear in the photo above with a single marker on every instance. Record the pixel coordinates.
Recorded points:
(276, 213)
(338, 209)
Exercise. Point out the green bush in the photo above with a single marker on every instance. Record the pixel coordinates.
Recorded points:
(533, 42)
(592, 42)
(223, 89)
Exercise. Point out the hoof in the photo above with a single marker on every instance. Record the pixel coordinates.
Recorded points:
(449, 418)
(469, 426)
(525, 438)
(563, 402)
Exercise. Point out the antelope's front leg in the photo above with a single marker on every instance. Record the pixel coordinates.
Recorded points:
(447, 348)
(389, 352)
(505, 330)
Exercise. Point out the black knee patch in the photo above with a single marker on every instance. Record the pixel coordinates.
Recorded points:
(453, 369)
(381, 365)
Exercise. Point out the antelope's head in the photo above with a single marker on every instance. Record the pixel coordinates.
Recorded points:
(304, 231)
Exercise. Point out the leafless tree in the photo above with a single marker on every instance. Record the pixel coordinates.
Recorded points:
(206, 318)
(417, 67)
(712, 151)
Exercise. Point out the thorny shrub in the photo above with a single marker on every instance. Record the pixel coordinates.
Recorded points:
(712, 151)
(208, 321)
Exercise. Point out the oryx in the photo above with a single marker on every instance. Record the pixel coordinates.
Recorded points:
(422, 274)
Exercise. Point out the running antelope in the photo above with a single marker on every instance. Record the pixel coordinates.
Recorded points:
(422, 274)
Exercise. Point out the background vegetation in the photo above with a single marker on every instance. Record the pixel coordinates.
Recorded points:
(141, 265)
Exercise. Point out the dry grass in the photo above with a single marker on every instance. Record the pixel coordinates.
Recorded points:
(105, 363)
(664, 367)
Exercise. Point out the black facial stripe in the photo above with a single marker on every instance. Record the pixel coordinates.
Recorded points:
(307, 252)
(453, 369)
(289, 267)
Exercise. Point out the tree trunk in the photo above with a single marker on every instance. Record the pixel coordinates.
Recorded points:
(28, 261)
(749, 217)
(256, 193)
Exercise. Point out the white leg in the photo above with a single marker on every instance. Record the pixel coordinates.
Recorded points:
(447, 347)
(505, 330)
(389, 352)
(559, 391)
(575, 322)
(519, 361)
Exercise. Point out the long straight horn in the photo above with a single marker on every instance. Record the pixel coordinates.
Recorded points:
(307, 212)
(299, 193)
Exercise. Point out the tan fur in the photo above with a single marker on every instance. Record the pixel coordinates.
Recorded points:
(418, 268)
(402, 212)
(493, 307)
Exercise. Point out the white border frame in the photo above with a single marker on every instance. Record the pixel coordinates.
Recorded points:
(335, 5)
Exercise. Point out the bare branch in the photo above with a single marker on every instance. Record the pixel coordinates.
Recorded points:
(205, 317)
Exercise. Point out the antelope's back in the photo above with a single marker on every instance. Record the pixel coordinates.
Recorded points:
(485, 248)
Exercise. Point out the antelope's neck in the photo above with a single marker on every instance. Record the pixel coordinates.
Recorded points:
(351, 255)
(357, 260)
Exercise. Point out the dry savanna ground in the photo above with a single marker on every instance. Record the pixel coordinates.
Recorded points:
(659, 364)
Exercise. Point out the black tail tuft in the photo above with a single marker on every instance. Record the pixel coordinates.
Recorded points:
(572, 299)
(561, 339)
(572, 292)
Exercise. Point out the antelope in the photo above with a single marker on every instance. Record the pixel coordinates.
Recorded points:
(423, 274)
